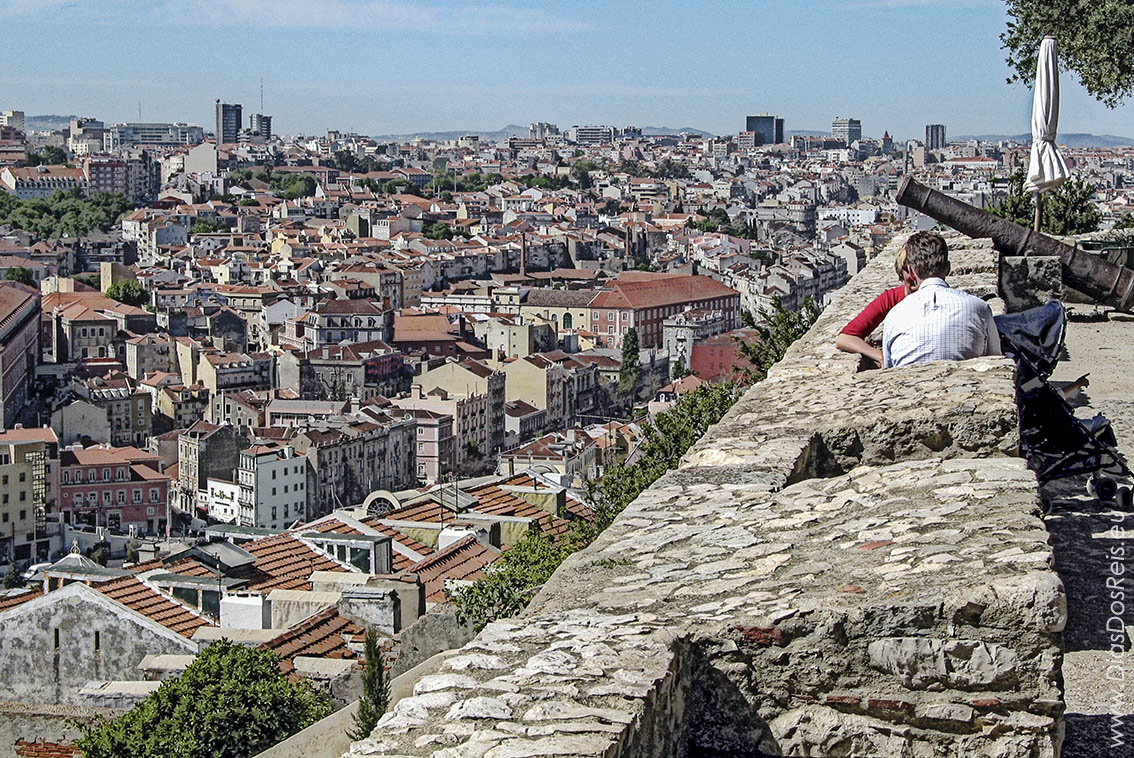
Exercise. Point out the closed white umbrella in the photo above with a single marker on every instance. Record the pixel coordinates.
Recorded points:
(1046, 168)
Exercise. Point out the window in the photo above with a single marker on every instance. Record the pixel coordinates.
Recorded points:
(273, 493)
(106, 497)
(121, 497)
(66, 477)
(4, 479)
(610, 316)
(273, 513)
(106, 475)
(23, 515)
(121, 473)
(610, 330)
(137, 496)
(91, 475)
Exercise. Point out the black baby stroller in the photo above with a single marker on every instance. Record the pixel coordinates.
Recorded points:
(1055, 442)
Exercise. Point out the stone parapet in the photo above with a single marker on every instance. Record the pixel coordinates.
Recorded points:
(850, 563)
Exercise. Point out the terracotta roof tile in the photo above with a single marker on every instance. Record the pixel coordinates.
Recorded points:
(464, 560)
(323, 635)
(138, 596)
(11, 601)
(44, 749)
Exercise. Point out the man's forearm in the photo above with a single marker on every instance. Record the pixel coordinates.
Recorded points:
(851, 344)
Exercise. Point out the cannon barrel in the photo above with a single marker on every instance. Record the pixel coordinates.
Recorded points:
(1105, 282)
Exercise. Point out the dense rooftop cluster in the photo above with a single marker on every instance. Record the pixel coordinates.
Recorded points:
(305, 386)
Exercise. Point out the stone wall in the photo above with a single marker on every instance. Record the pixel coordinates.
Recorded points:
(850, 563)
(50, 723)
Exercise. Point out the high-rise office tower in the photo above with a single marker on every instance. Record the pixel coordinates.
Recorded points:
(261, 124)
(846, 129)
(230, 117)
(934, 136)
(769, 129)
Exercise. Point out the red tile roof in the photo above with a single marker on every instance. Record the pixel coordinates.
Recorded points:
(138, 596)
(464, 560)
(11, 601)
(44, 749)
(323, 635)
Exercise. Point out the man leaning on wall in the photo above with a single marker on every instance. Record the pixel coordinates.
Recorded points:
(936, 322)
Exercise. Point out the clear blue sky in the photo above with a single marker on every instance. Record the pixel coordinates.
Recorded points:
(391, 66)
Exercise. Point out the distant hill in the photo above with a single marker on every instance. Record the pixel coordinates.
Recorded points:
(46, 123)
(665, 131)
(515, 130)
(1070, 139)
(511, 130)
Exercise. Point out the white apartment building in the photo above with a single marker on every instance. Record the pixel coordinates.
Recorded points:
(273, 487)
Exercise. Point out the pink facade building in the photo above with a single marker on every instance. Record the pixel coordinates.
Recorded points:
(116, 487)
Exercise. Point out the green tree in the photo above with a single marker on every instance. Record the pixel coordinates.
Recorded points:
(208, 226)
(13, 579)
(776, 330)
(1070, 209)
(630, 369)
(1095, 39)
(49, 156)
(21, 275)
(130, 292)
(67, 213)
(1066, 211)
(231, 701)
(1126, 222)
(439, 230)
(375, 690)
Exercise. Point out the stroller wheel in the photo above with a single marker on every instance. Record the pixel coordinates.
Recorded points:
(1102, 487)
(1124, 499)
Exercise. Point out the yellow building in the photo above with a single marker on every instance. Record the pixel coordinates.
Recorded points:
(29, 461)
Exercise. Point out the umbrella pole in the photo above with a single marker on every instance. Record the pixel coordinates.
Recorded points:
(1039, 210)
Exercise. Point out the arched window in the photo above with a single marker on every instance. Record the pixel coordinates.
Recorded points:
(567, 321)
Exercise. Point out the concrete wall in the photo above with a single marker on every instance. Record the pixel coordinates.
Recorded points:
(34, 670)
(848, 564)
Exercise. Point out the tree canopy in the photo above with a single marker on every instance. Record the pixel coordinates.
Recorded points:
(21, 275)
(67, 214)
(49, 156)
(1095, 40)
(630, 369)
(1067, 210)
(439, 230)
(231, 701)
(776, 330)
(130, 292)
(375, 690)
(291, 186)
(208, 226)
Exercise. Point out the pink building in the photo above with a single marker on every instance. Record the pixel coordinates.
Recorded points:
(115, 487)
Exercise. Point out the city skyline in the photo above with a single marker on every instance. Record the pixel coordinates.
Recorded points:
(890, 63)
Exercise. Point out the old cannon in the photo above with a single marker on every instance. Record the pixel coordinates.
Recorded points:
(1101, 280)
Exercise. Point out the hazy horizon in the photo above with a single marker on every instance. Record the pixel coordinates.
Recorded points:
(393, 67)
